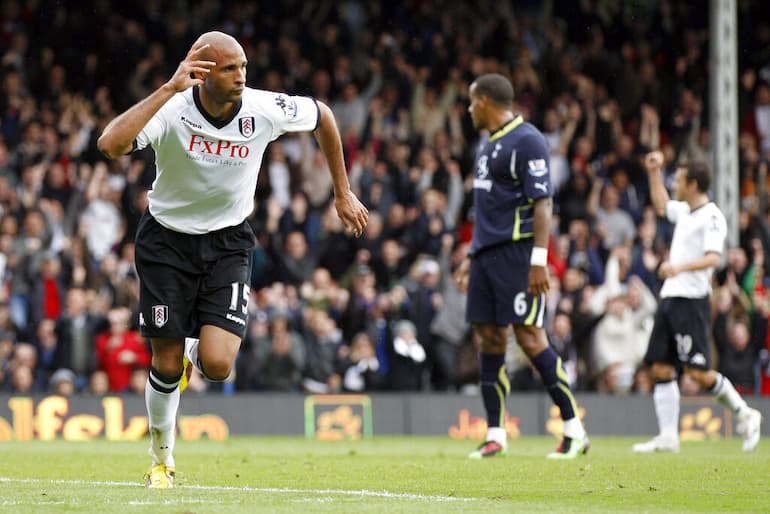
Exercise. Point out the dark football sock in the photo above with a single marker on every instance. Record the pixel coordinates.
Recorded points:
(556, 382)
(495, 386)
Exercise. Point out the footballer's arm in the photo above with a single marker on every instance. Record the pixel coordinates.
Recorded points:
(118, 136)
(710, 260)
(658, 193)
(352, 213)
(538, 281)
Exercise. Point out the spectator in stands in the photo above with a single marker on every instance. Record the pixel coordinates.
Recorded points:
(572, 200)
(76, 331)
(336, 251)
(363, 294)
(350, 107)
(27, 255)
(47, 293)
(378, 190)
(621, 336)
(390, 265)
(297, 261)
(8, 331)
(360, 368)
(407, 358)
(584, 253)
(631, 198)
(63, 382)
(646, 250)
(615, 226)
(101, 221)
(316, 179)
(99, 384)
(737, 354)
(280, 354)
(120, 350)
(139, 381)
(22, 370)
(448, 330)
(322, 345)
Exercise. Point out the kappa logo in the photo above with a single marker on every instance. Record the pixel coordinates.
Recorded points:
(698, 359)
(191, 123)
(246, 126)
(537, 167)
(159, 315)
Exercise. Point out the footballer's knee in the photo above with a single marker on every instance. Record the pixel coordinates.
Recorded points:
(167, 356)
(217, 352)
(532, 340)
(663, 372)
(217, 368)
(704, 377)
(492, 339)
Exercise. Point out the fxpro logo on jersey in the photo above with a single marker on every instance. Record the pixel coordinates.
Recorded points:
(216, 147)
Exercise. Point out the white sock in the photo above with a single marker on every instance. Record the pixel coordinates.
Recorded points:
(161, 413)
(191, 352)
(573, 428)
(191, 345)
(726, 394)
(498, 435)
(666, 398)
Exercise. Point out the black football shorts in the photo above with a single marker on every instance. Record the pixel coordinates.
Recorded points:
(187, 281)
(681, 333)
(497, 287)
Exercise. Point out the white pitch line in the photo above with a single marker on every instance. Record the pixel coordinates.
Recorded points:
(175, 501)
(6, 503)
(247, 489)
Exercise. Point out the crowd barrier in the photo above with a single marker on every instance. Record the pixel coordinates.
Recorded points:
(337, 417)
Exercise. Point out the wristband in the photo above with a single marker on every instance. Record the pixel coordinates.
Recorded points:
(539, 256)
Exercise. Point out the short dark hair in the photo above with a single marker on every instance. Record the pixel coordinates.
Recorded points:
(495, 87)
(700, 173)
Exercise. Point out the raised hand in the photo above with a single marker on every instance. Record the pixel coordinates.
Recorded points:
(654, 161)
(192, 70)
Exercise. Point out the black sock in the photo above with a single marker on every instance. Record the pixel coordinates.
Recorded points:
(555, 379)
(163, 384)
(495, 386)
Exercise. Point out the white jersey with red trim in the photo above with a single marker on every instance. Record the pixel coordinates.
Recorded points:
(206, 169)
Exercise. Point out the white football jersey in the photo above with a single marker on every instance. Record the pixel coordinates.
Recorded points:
(695, 234)
(206, 171)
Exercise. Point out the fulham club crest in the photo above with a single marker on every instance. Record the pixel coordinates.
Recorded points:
(246, 125)
(159, 315)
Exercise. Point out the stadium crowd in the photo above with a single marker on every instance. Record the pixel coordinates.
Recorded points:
(605, 81)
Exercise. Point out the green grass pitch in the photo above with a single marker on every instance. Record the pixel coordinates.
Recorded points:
(384, 474)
